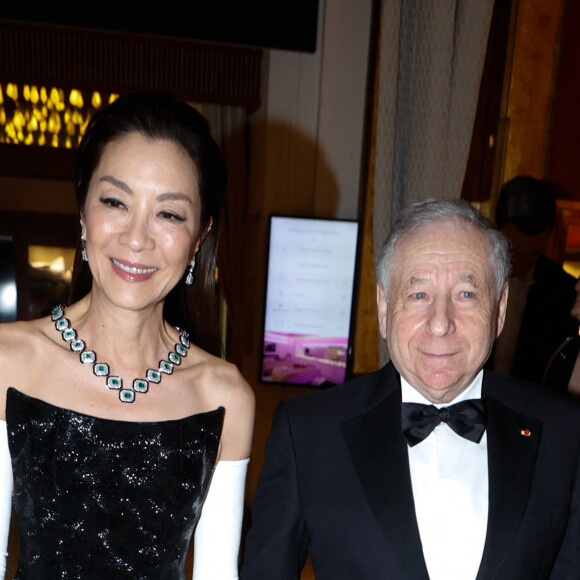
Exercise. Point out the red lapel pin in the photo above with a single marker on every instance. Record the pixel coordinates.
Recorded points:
(525, 432)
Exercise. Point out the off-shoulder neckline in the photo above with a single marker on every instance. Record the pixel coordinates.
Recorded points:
(107, 419)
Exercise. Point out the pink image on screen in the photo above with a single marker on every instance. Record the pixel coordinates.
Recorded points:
(304, 359)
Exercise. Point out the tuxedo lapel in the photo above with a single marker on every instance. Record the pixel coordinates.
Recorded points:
(513, 441)
(379, 453)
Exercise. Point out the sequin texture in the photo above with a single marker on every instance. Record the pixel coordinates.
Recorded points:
(99, 498)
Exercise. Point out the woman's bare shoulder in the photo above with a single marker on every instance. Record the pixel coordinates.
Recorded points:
(22, 348)
(17, 339)
(221, 380)
(223, 385)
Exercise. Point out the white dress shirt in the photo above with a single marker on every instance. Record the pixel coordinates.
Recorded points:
(450, 488)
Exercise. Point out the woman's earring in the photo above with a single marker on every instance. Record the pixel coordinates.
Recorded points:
(190, 279)
(84, 249)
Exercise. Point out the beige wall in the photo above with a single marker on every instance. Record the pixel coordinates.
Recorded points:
(306, 160)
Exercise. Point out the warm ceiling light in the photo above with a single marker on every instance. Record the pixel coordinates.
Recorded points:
(53, 95)
(12, 91)
(76, 98)
(34, 95)
(96, 100)
(25, 120)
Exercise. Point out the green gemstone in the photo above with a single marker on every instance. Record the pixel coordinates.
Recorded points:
(88, 357)
(114, 382)
(153, 376)
(101, 369)
(140, 386)
(77, 345)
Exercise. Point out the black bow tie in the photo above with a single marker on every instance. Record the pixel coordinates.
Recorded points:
(466, 419)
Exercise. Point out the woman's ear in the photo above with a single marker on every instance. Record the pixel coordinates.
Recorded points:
(197, 246)
(83, 226)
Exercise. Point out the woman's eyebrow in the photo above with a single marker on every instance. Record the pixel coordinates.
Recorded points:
(174, 196)
(117, 183)
(170, 195)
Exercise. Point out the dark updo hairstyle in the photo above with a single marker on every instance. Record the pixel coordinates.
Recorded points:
(160, 116)
(528, 203)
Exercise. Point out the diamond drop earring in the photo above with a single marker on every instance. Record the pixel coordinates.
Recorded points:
(190, 279)
(84, 249)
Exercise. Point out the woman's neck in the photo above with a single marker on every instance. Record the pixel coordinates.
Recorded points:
(130, 337)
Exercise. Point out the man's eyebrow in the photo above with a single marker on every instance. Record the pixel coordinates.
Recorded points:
(117, 183)
(413, 280)
(469, 278)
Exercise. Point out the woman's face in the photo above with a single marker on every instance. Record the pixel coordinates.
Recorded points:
(140, 220)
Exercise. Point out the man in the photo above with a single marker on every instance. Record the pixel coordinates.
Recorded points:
(538, 317)
(343, 482)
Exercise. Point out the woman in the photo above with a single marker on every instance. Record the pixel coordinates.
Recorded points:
(563, 370)
(117, 422)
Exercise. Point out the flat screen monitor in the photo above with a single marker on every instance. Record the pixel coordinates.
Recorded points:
(309, 299)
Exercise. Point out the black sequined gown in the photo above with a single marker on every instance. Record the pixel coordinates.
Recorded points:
(98, 498)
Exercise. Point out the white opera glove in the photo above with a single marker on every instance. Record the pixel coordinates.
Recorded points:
(218, 532)
(5, 496)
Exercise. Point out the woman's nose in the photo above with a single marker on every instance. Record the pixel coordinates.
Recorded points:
(137, 235)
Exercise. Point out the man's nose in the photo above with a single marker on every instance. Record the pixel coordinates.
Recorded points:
(441, 317)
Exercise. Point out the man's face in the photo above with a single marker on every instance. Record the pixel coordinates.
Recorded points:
(441, 316)
(526, 250)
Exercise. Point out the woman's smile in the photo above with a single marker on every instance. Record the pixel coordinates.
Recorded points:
(136, 269)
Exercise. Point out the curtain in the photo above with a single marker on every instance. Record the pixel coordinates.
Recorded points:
(430, 61)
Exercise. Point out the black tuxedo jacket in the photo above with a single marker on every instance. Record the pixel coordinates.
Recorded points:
(546, 321)
(336, 484)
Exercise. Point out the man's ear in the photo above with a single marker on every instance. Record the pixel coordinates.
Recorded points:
(382, 311)
(502, 308)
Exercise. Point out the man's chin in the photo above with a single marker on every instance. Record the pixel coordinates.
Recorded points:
(440, 387)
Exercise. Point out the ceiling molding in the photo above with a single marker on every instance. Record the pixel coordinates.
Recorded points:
(119, 62)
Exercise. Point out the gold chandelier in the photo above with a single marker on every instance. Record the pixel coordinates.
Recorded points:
(47, 116)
